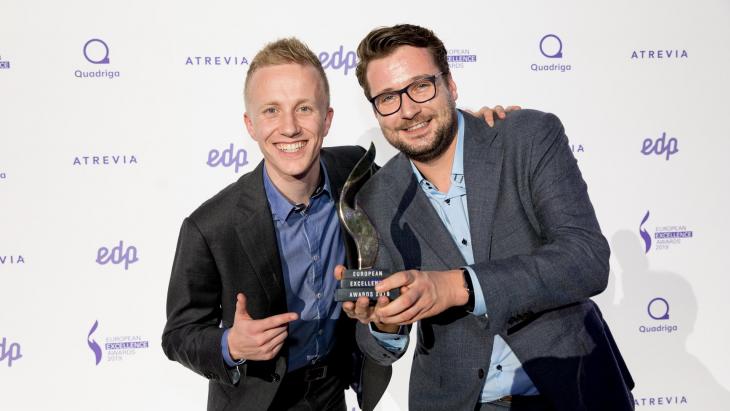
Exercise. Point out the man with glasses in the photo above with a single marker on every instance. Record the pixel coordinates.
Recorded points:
(494, 244)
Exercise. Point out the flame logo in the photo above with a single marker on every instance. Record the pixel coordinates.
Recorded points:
(644, 234)
(92, 343)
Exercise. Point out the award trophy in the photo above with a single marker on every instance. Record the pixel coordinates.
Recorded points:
(360, 282)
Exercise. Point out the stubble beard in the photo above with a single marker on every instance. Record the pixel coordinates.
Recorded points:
(443, 137)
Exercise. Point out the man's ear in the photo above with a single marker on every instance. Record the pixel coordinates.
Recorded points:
(452, 87)
(249, 125)
(328, 120)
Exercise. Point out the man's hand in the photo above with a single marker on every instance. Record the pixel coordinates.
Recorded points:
(489, 113)
(257, 340)
(361, 309)
(423, 294)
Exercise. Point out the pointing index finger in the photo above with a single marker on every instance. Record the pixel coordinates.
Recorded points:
(276, 320)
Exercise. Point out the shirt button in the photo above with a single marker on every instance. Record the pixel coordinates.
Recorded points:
(321, 332)
(315, 257)
(319, 295)
(481, 373)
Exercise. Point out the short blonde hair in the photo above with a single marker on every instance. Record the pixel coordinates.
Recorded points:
(287, 51)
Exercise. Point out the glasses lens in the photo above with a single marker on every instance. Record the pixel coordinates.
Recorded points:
(387, 103)
(422, 90)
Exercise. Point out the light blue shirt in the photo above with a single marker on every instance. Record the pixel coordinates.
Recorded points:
(506, 375)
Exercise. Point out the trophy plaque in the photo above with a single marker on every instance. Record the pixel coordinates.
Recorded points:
(360, 282)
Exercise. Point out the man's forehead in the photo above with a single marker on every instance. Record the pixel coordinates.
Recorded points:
(289, 76)
(399, 68)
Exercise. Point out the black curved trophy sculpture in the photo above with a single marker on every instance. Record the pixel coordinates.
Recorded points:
(360, 282)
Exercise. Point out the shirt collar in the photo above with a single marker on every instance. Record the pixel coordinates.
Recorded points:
(281, 207)
(457, 168)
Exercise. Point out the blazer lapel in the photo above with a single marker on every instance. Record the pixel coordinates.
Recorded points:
(257, 235)
(482, 169)
(415, 211)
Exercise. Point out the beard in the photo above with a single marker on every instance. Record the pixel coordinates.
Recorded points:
(443, 137)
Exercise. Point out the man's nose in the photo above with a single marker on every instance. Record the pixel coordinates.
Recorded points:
(289, 125)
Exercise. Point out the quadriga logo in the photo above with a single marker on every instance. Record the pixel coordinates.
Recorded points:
(658, 310)
(118, 254)
(551, 48)
(96, 52)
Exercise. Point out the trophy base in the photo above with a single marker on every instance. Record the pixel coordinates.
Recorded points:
(358, 283)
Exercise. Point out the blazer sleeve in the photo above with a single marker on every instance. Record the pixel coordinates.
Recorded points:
(571, 264)
(192, 335)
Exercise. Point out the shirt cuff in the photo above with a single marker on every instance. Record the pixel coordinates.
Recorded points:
(394, 343)
(480, 304)
(230, 362)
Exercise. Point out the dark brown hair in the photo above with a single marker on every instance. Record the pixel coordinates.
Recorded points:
(383, 41)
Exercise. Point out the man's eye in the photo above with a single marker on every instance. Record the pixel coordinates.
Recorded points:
(422, 85)
(306, 109)
(270, 110)
(388, 98)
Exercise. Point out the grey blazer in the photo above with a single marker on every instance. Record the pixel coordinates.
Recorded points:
(539, 256)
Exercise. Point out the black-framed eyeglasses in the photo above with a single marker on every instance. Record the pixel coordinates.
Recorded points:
(420, 91)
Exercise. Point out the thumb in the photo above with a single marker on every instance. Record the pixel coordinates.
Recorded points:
(339, 271)
(241, 310)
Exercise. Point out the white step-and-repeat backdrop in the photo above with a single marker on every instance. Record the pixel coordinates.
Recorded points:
(117, 119)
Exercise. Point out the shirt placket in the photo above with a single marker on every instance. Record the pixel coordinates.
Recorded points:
(315, 280)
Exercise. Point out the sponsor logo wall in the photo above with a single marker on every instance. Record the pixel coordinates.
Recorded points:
(95, 181)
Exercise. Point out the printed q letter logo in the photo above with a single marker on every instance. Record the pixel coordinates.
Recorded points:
(551, 46)
(96, 51)
(92, 343)
(658, 309)
(644, 234)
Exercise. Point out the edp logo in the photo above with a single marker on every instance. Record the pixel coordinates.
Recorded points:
(10, 351)
(660, 146)
(338, 59)
(227, 158)
(117, 255)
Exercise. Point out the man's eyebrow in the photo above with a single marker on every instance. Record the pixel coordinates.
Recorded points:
(410, 80)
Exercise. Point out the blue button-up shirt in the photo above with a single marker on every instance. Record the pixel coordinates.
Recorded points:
(506, 375)
(310, 246)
